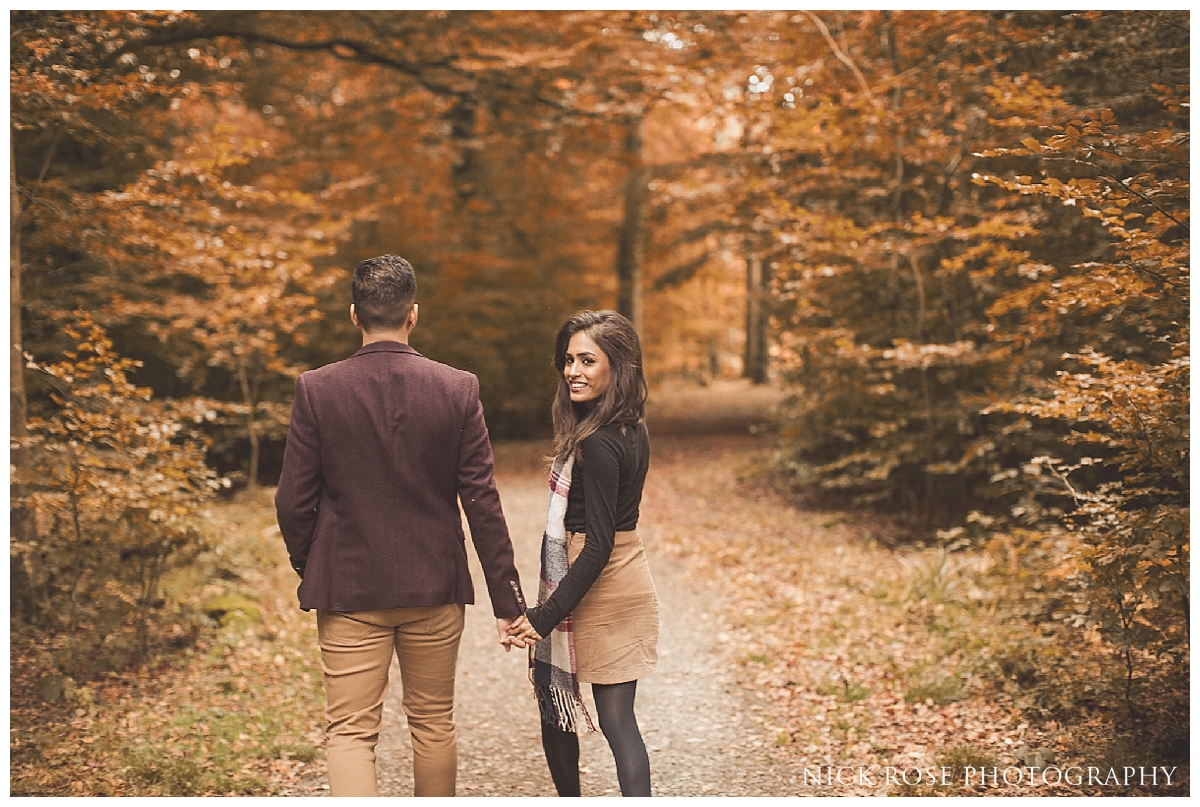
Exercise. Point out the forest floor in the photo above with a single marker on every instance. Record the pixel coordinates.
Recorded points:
(793, 661)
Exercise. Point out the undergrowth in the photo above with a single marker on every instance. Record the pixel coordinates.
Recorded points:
(234, 710)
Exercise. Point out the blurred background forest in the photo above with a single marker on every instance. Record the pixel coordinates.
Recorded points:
(957, 241)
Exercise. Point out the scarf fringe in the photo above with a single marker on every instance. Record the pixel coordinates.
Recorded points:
(561, 709)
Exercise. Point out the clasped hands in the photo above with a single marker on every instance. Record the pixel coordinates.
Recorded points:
(516, 633)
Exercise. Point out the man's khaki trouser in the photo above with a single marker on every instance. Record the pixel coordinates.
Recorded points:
(356, 651)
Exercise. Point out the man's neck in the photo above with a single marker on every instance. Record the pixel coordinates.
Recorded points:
(385, 336)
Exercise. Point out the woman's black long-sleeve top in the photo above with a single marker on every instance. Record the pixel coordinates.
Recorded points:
(605, 494)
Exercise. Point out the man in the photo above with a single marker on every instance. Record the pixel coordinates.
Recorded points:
(381, 449)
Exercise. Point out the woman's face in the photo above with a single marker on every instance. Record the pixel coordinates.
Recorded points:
(586, 370)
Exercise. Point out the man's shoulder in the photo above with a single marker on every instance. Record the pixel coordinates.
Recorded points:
(333, 373)
(438, 371)
(359, 364)
(445, 370)
(324, 371)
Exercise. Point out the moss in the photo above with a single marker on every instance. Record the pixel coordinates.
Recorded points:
(230, 608)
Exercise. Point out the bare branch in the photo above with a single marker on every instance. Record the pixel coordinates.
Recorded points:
(1160, 17)
(700, 233)
(680, 274)
(843, 58)
(344, 48)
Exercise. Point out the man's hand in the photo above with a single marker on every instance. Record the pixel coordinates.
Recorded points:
(502, 626)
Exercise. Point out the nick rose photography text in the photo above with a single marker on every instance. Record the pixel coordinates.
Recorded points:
(1075, 776)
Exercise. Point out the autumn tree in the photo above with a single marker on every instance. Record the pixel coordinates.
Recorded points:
(983, 303)
(116, 483)
(515, 155)
(65, 109)
(500, 161)
(230, 274)
(1110, 340)
(127, 207)
(879, 249)
(134, 247)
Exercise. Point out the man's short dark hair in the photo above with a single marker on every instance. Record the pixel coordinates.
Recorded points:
(383, 290)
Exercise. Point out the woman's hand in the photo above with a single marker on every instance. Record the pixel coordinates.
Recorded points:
(522, 633)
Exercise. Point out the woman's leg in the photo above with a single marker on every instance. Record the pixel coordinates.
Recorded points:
(562, 754)
(614, 707)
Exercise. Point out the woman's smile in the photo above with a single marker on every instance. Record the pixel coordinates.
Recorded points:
(586, 369)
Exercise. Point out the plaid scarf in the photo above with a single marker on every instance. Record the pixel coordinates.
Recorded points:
(552, 660)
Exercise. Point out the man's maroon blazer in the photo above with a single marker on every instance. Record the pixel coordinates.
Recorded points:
(380, 450)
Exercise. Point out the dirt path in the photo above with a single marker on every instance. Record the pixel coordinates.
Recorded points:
(706, 737)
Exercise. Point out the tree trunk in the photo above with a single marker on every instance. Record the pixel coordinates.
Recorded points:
(897, 104)
(251, 424)
(464, 172)
(629, 248)
(22, 522)
(755, 364)
(16, 366)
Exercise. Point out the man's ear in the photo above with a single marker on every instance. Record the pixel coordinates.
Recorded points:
(354, 317)
(412, 317)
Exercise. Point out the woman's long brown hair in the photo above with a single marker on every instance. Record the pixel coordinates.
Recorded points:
(625, 399)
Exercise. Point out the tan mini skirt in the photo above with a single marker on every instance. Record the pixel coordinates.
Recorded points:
(616, 622)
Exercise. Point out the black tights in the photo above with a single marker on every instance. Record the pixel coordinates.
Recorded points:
(614, 707)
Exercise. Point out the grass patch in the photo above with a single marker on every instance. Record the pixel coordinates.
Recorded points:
(846, 691)
(155, 772)
(930, 684)
(960, 757)
(940, 576)
(230, 608)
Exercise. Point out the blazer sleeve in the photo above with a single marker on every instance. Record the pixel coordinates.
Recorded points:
(300, 481)
(481, 504)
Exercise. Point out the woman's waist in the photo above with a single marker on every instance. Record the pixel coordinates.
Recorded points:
(621, 536)
(627, 544)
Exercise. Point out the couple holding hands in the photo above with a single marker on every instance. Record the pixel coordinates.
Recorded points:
(381, 450)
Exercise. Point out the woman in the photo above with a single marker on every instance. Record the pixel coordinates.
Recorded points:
(596, 605)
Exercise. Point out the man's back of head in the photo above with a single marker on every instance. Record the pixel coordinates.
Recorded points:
(383, 291)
